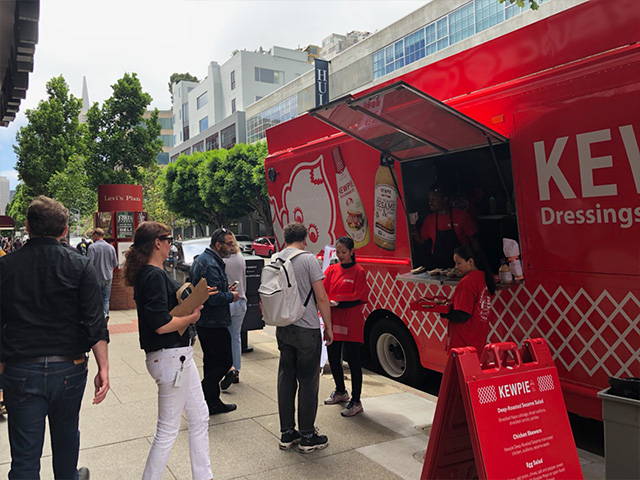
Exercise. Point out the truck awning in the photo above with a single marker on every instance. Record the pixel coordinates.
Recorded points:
(401, 121)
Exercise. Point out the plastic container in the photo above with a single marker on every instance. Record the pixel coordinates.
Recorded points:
(621, 417)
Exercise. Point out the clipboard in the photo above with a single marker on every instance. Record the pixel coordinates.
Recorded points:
(199, 294)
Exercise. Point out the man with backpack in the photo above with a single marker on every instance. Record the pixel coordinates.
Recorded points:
(300, 343)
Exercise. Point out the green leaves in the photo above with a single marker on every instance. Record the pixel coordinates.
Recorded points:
(52, 136)
(222, 184)
(521, 3)
(121, 140)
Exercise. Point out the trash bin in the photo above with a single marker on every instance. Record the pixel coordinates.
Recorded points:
(621, 416)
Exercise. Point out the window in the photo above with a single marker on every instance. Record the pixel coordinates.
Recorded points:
(233, 79)
(203, 124)
(167, 140)
(162, 158)
(488, 14)
(283, 111)
(233, 105)
(198, 147)
(211, 143)
(461, 23)
(258, 97)
(185, 113)
(228, 136)
(471, 18)
(185, 133)
(166, 123)
(202, 100)
(266, 75)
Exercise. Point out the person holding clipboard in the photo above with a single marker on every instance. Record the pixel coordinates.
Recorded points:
(167, 341)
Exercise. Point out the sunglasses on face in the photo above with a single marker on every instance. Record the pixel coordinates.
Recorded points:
(168, 238)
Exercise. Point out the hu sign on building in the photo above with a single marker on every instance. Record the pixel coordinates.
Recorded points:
(322, 82)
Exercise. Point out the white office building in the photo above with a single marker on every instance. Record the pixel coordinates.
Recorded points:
(4, 195)
(210, 114)
(359, 60)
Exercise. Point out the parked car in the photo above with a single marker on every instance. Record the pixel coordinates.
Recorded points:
(245, 243)
(181, 257)
(264, 246)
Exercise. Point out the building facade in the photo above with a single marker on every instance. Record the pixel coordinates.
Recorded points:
(4, 195)
(165, 118)
(435, 31)
(210, 113)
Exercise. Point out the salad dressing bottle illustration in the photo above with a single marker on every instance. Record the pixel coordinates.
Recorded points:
(385, 206)
(354, 217)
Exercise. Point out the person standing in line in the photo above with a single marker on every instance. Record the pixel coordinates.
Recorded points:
(235, 267)
(50, 316)
(213, 326)
(471, 302)
(167, 342)
(346, 285)
(300, 346)
(104, 259)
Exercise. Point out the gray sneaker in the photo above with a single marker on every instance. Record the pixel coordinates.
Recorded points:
(337, 397)
(352, 409)
(83, 473)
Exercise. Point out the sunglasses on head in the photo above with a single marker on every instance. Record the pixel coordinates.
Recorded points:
(221, 234)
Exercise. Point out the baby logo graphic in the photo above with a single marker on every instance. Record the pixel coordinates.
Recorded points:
(306, 198)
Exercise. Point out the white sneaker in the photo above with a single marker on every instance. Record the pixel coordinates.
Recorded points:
(337, 397)
(352, 409)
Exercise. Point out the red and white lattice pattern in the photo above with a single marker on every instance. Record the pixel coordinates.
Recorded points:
(591, 336)
(545, 383)
(487, 394)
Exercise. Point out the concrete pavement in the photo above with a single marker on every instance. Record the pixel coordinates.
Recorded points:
(387, 441)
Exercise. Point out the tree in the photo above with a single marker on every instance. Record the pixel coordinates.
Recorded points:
(181, 191)
(52, 136)
(232, 182)
(120, 139)
(521, 3)
(176, 77)
(17, 208)
(71, 187)
(154, 204)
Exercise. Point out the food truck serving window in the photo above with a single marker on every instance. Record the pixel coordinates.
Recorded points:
(406, 123)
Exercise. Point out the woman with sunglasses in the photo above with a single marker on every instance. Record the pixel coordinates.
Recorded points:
(167, 342)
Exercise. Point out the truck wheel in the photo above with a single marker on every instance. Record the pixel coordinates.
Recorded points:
(393, 350)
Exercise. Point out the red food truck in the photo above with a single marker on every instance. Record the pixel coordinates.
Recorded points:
(536, 134)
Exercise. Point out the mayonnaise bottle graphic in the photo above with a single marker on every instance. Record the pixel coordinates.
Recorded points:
(386, 201)
(354, 217)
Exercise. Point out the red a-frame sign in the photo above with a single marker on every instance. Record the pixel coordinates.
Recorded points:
(501, 416)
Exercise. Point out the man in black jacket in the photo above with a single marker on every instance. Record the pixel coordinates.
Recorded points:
(215, 318)
(50, 316)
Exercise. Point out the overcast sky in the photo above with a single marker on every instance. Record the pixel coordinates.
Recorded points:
(154, 38)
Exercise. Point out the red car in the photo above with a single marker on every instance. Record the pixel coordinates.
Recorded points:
(264, 246)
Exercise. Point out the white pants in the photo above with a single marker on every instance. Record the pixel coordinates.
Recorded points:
(172, 401)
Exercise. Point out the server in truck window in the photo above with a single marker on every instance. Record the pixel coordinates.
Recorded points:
(471, 302)
(443, 230)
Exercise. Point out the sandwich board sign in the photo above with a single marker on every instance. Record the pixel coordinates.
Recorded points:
(501, 416)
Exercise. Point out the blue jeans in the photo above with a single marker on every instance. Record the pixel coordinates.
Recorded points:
(105, 289)
(238, 311)
(34, 391)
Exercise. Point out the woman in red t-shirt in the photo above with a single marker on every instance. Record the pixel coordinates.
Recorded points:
(346, 285)
(471, 302)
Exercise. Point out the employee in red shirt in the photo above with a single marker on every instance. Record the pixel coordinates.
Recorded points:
(346, 285)
(444, 229)
(471, 303)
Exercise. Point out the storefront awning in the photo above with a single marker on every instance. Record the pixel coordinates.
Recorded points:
(401, 121)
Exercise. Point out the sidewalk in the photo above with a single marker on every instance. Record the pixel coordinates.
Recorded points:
(387, 441)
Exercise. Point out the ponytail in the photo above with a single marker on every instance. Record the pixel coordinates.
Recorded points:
(466, 252)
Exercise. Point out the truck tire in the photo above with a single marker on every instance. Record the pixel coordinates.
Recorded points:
(394, 352)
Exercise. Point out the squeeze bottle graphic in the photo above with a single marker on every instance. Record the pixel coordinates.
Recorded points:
(386, 201)
(354, 217)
